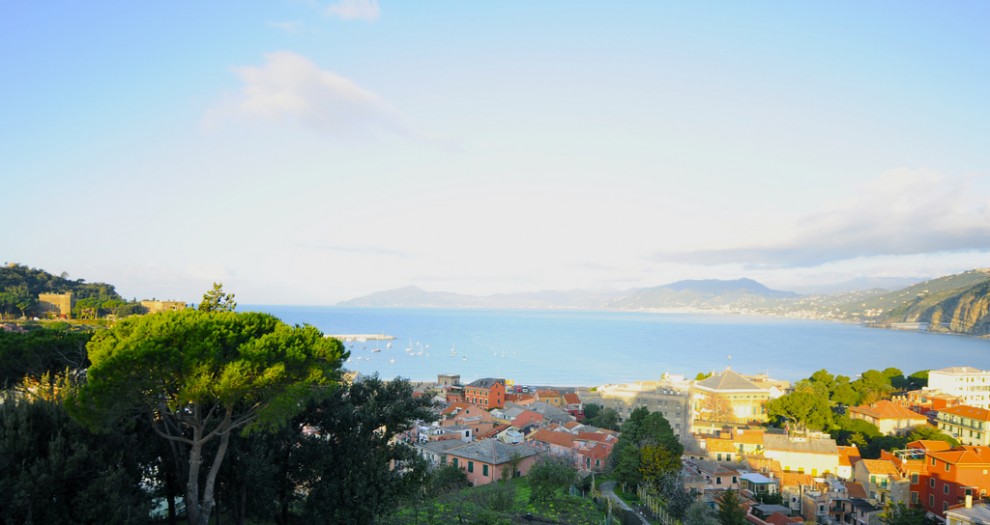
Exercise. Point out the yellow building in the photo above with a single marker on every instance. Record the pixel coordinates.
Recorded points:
(56, 304)
(729, 398)
(163, 306)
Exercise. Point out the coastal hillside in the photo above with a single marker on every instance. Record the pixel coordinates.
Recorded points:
(956, 303)
(701, 294)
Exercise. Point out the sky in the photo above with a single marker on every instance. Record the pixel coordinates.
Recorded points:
(307, 152)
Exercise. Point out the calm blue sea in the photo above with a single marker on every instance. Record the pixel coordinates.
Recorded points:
(591, 347)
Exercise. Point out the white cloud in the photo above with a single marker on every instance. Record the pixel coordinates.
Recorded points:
(903, 212)
(354, 10)
(290, 87)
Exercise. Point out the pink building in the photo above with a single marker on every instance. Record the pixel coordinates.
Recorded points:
(483, 461)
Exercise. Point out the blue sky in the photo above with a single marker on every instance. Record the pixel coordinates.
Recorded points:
(308, 152)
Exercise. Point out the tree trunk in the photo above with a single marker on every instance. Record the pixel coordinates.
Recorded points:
(193, 510)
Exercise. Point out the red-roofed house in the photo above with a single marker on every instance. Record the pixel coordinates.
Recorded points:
(467, 416)
(556, 443)
(950, 475)
(970, 425)
(573, 405)
(890, 418)
(527, 418)
(848, 456)
(550, 397)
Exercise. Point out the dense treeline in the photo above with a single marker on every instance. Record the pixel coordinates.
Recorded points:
(20, 286)
(820, 402)
(290, 442)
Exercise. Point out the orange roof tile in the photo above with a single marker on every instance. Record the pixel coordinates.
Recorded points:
(886, 410)
(794, 479)
(561, 439)
(979, 414)
(719, 445)
(931, 445)
(848, 456)
(855, 490)
(964, 455)
(748, 437)
(598, 437)
(880, 466)
(779, 518)
(571, 425)
(572, 398)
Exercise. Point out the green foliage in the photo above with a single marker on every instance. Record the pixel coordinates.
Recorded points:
(649, 431)
(807, 406)
(700, 513)
(348, 458)
(216, 300)
(52, 470)
(548, 477)
(901, 514)
(730, 510)
(20, 286)
(930, 432)
(40, 351)
(604, 418)
(198, 376)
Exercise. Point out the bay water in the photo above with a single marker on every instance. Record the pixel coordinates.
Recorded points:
(587, 348)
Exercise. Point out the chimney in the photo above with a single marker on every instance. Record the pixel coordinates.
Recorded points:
(969, 501)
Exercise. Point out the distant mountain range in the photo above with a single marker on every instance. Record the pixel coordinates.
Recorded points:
(955, 303)
(700, 295)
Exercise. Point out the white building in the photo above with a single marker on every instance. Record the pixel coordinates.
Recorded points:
(970, 384)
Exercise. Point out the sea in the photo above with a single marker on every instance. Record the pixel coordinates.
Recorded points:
(589, 348)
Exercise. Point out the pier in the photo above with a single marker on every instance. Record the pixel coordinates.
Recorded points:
(350, 338)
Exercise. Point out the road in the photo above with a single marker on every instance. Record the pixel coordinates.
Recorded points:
(608, 489)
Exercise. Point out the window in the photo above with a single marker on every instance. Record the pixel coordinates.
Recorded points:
(455, 462)
(945, 488)
(484, 470)
(947, 467)
(470, 466)
(914, 478)
(933, 461)
(931, 482)
(945, 506)
(931, 501)
(914, 498)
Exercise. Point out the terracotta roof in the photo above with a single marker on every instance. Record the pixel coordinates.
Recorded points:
(572, 398)
(855, 490)
(931, 445)
(528, 417)
(763, 464)
(848, 456)
(979, 414)
(598, 451)
(882, 467)
(561, 439)
(794, 479)
(748, 436)
(779, 518)
(886, 410)
(720, 445)
(458, 405)
(547, 393)
(493, 432)
(598, 437)
(571, 425)
(964, 455)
